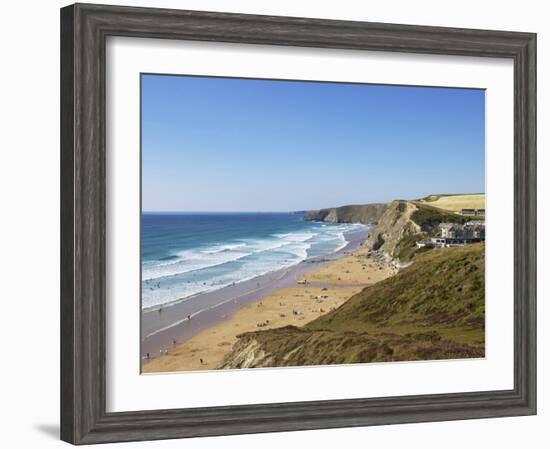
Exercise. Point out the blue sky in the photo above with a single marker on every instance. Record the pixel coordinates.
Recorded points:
(220, 144)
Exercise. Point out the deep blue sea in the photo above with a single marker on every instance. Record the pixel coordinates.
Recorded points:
(184, 254)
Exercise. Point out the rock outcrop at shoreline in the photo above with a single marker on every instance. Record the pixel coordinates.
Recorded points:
(365, 213)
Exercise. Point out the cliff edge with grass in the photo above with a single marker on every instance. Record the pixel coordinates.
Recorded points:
(433, 309)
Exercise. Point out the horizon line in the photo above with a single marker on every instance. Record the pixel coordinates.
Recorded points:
(223, 211)
(297, 210)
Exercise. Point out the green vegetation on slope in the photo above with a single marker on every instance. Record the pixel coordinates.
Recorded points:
(404, 223)
(434, 309)
(406, 248)
(428, 217)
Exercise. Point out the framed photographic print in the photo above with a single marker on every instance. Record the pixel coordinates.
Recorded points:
(268, 223)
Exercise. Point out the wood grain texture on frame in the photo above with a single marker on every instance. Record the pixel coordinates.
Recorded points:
(84, 29)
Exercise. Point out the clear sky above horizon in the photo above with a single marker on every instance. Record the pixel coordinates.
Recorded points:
(221, 144)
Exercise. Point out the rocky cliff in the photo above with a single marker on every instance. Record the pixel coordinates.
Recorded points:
(398, 224)
(395, 223)
(366, 213)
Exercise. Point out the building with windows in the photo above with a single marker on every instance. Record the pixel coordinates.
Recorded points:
(456, 234)
(472, 212)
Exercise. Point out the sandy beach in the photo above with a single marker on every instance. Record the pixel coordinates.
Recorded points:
(313, 293)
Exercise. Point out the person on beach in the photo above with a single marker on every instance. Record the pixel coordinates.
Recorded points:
(174, 342)
(202, 361)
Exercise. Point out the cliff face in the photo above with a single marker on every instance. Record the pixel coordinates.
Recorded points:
(366, 214)
(394, 224)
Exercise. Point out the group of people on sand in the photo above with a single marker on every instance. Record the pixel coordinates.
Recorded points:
(163, 351)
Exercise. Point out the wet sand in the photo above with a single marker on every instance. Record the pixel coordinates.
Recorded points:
(279, 302)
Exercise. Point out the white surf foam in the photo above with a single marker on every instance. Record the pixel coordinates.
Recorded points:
(192, 272)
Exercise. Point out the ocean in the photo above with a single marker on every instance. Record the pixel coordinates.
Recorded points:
(186, 254)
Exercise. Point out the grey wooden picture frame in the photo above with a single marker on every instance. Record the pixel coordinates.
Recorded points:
(84, 29)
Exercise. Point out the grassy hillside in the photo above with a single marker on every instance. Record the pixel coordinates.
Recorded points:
(428, 217)
(434, 309)
(457, 202)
